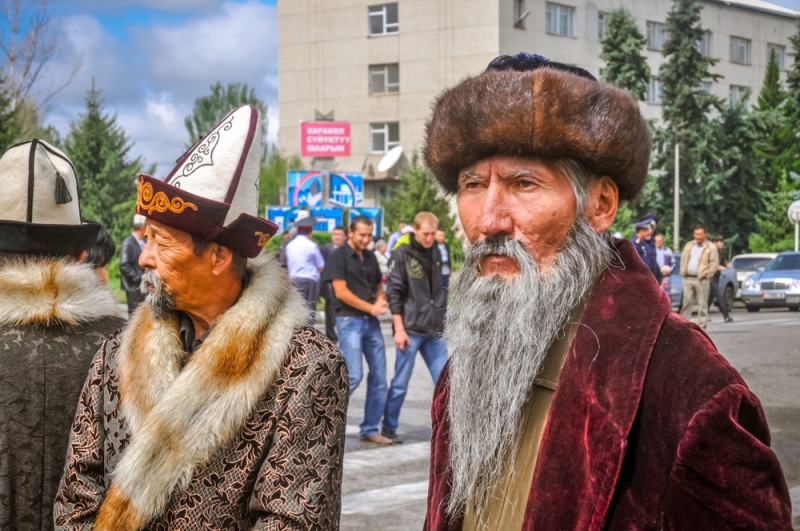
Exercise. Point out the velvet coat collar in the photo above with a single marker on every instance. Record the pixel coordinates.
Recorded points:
(593, 414)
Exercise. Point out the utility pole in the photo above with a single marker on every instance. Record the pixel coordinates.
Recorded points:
(677, 185)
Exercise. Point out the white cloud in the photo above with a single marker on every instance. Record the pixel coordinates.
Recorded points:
(151, 77)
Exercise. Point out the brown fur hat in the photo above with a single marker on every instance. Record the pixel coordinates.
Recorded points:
(547, 112)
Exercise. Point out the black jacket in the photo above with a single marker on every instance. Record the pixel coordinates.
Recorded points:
(415, 289)
(130, 273)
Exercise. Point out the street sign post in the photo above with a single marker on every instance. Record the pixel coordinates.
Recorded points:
(794, 217)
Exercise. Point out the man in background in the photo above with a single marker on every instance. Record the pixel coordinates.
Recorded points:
(444, 250)
(338, 237)
(130, 272)
(415, 291)
(394, 237)
(717, 296)
(356, 280)
(699, 262)
(54, 314)
(305, 263)
(663, 254)
(100, 254)
(645, 248)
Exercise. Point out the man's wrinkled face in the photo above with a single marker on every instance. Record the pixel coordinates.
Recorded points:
(338, 237)
(169, 255)
(522, 198)
(425, 235)
(361, 236)
(700, 236)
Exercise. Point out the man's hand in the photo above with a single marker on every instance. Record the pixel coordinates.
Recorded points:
(401, 339)
(379, 308)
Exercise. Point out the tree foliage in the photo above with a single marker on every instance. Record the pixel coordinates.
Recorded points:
(209, 110)
(100, 152)
(418, 193)
(775, 232)
(626, 66)
(273, 177)
(9, 127)
(772, 95)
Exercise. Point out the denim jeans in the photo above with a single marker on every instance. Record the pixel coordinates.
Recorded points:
(359, 335)
(434, 352)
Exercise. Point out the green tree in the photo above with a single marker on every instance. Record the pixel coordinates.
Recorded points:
(209, 110)
(273, 177)
(775, 232)
(793, 77)
(772, 95)
(626, 66)
(100, 152)
(9, 127)
(418, 193)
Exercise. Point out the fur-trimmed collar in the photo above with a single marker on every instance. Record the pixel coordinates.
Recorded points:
(42, 292)
(178, 418)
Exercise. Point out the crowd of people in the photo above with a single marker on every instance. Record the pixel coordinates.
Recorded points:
(568, 393)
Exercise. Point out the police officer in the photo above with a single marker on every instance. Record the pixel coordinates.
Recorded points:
(645, 247)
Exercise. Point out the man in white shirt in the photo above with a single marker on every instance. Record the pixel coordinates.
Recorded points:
(699, 262)
(305, 263)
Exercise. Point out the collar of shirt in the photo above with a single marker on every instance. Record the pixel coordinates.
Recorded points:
(189, 343)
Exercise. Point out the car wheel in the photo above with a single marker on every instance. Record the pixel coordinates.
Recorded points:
(729, 295)
(794, 308)
(752, 309)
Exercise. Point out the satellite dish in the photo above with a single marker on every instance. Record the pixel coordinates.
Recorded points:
(794, 212)
(390, 159)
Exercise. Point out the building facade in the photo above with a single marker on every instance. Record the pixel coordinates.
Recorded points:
(380, 66)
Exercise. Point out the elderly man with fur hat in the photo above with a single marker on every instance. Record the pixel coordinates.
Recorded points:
(574, 398)
(54, 313)
(216, 408)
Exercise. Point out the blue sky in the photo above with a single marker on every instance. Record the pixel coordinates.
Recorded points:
(152, 58)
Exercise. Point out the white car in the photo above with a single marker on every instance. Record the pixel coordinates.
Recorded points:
(749, 264)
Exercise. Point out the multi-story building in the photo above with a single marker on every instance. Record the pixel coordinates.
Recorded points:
(380, 66)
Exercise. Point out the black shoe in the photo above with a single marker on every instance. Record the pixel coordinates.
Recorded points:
(391, 434)
(728, 319)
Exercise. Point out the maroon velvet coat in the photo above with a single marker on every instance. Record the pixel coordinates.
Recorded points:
(649, 429)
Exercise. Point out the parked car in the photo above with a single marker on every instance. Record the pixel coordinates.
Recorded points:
(748, 264)
(775, 286)
(727, 284)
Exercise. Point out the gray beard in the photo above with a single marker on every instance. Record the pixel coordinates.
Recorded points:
(160, 301)
(498, 333)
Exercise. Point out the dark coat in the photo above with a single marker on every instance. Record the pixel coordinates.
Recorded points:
(53, 317)
(646, 249)
(325, 288)
(130, 272)
(415, 288)
(650, 428)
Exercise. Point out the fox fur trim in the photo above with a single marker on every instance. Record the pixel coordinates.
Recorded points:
(178, 418)
(47, 292)
(541, 113)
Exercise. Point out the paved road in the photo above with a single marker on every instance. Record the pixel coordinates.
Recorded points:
(386, 488)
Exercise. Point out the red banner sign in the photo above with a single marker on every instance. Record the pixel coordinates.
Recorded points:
(325, 139)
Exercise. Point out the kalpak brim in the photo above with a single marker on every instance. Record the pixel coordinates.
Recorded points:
(45, 239)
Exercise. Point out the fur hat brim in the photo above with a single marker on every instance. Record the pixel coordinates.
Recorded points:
(544, 113)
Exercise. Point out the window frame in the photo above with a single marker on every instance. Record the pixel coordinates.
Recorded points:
(659, 34)
(740, 91)
(383, 14)
(602, 27)
(555, 19)
(655, 93)
(707, 39)
(386, 129)
(782, 48)
(376, 69)
(748, 60)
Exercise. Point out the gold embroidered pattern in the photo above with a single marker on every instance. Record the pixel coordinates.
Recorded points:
(160, 202)
(262, 238)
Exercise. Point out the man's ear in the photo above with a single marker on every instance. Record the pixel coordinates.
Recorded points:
(601, 208)
(221, 258)
(80, 257)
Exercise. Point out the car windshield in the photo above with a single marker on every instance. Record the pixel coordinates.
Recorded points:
(750, 264)
(785, 262)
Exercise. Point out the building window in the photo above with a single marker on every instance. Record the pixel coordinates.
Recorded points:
(384, 78)
(385, 193)
(560, 19)
(740, 50)
(704, 44)
(780, 54)
(704, 86)
(383, 136)
(383, 19)
(654, 90)
(656, 36)
(601, 25)
(737, 94)
(520, 13)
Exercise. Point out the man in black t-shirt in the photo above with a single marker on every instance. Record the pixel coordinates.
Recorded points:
(356, 279)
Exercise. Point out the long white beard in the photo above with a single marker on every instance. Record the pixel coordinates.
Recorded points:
(498, 333)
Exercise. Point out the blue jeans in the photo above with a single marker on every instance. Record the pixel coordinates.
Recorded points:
(434, 352)
(359, 335)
